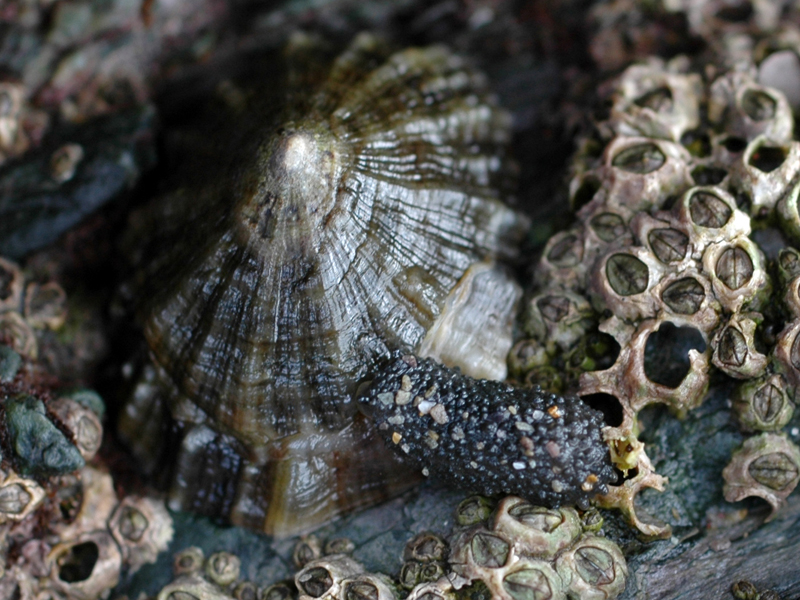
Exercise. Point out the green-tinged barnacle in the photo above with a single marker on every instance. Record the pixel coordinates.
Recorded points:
(10, 363)
(763, 403)
(744, 590)
(474, 510)
(788, 213)
(488, 437)
(592, 520)
(188, 561)
(593, 569)
(558, 318)
(413, 573)
(536, 530)
(767, 466)
(222, 568)
(788, 264)
(39, 447)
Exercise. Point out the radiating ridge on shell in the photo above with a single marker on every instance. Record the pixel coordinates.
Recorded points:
(335, 232)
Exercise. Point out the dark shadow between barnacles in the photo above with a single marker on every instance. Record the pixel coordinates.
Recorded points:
(666, 355)
(607, 404)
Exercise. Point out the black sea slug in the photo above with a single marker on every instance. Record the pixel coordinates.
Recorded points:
(489, 437)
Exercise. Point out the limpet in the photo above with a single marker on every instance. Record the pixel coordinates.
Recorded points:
(362, 214)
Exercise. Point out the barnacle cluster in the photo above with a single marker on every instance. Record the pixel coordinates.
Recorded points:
(27, 306)
(511, 551)
(64, 533)
(667, 194)
(524, 551)
(71, 537)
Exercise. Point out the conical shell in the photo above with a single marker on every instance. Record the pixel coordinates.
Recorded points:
(336, 235)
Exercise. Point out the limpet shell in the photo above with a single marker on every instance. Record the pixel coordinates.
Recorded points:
(352, 221)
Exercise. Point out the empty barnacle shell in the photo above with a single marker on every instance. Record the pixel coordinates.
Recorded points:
(85, 567)
(364, 216)
(766, 466)
(748, 110)
(650, 100)
(426, 547)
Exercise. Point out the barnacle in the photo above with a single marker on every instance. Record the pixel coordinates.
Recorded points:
(488, 437)
(364, 216)
(767, 466)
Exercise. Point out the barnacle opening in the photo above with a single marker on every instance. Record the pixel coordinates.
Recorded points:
(734, 144)
(585, 192)
(697, 143)
(78, 563)
(666, 353)
(767, 158)
(607, 404)
(705, 175)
